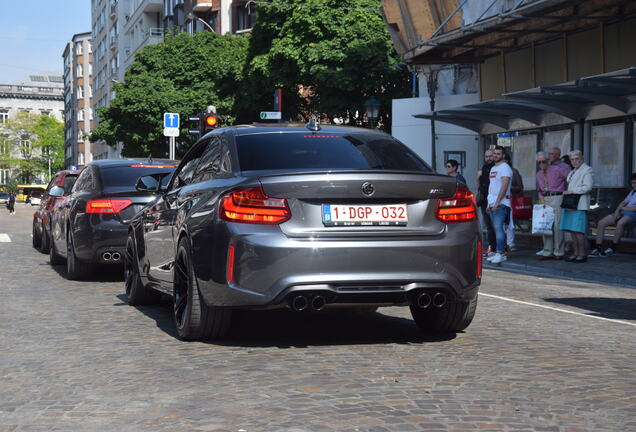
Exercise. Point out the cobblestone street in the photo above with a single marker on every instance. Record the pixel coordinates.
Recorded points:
(75, 357)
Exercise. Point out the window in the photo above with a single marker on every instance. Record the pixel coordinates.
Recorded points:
(316, 151)
(561, 139)
(90, 69)
(79, 49)
(4, 116)
(245, 17)
(80, 92)
(216, 161)
(608, 155)
(90, 113)
(523, 154)
(80, 115)
(187, 172)
(125, 177)
(80, 70)
(4, 176)
(84, 182)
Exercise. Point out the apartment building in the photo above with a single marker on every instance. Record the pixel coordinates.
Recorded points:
(120, 28)
(220, 16)
(78, 100)
(36, 94)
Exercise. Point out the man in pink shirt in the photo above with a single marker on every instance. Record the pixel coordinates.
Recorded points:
(550, 186)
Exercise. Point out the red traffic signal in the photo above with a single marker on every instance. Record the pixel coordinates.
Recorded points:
(211, 121)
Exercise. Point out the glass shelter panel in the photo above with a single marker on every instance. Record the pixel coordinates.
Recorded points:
(524, 151)
(561, 139)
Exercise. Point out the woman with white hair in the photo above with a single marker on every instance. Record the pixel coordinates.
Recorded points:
(576, 204)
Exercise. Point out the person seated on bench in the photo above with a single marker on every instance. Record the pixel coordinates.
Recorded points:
(624, 215)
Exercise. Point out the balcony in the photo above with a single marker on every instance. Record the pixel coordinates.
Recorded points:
(201, 5)
(112, 41)
(151, 6)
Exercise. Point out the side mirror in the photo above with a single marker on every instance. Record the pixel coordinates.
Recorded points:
(56, 191)
(148, 183)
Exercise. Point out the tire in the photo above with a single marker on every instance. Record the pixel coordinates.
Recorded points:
(45, 242)
(54, 257)
(453, 317)
(75, 269)
(136, 292)
(193, 319)
(37, 238)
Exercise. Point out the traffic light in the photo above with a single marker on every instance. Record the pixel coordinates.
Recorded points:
(204, 122)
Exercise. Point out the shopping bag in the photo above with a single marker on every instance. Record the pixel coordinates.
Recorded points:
(542, 219)
(521, 207)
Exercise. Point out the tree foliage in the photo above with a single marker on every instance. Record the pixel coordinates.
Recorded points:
(27, 143)
(184, 74)
(329, 56)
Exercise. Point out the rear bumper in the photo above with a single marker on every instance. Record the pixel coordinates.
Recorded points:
(97, 234)
(269, 267)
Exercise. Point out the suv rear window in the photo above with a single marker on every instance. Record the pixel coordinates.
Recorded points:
(125, 177)
(320, 151)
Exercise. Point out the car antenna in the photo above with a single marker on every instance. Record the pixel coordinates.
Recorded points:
(312, 124)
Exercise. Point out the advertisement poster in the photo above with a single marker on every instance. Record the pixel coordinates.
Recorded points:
(608, 158)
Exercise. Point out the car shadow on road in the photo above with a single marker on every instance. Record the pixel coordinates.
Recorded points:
(605, 307)
(287, 329)
(105, 273)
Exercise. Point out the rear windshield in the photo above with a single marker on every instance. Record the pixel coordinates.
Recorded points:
(125, 177)
(325, 151)
(4, 195)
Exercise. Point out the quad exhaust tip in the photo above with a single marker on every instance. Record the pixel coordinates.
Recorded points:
(424, 300)
(439, 300)
(106, 256)
(318, 303)
(299, 303)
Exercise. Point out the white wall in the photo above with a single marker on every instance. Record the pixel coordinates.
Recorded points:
(416, 133)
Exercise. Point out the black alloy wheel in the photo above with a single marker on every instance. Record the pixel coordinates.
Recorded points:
(194, 320)
(136, 292)
(75, 269)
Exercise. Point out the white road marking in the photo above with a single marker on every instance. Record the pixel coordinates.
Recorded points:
(557, 309)
(4, 238)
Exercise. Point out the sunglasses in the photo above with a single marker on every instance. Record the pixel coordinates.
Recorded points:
(542, 161)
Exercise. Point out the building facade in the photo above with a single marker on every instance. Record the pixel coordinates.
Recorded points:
(78, 100)
(120, 28)
(220, 16)
(549, 74)
(36, 94)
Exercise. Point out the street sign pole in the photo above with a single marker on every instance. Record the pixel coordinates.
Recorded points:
(172, 148)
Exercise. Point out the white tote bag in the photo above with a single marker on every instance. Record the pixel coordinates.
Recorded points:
(542, 219)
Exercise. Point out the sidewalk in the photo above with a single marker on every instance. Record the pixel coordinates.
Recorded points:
(619, 269)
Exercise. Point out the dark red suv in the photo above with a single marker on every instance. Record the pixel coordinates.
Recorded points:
(58, 188)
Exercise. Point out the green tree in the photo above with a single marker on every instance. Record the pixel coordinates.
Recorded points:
(329, 56)
(27, 142)
(184, 74)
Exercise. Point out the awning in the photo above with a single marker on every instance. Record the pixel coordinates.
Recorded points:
(572, 100)
(527, 22)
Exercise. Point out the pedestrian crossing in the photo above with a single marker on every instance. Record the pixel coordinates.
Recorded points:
(4, 238)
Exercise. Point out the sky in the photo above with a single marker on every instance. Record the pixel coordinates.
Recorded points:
(34, 33)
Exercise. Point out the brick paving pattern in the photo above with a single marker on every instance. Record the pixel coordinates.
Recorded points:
(75, 357)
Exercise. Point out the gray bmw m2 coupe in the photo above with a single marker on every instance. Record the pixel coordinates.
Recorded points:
(305, 217)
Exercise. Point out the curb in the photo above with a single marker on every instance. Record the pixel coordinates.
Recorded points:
(581, 275)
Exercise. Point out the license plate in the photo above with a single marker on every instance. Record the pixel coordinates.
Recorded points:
(362, 215)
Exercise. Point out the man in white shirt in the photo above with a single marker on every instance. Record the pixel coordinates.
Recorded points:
(499, 201)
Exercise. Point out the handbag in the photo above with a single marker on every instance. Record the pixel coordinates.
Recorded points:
(521, 207)
(571, 201)
(542, 219)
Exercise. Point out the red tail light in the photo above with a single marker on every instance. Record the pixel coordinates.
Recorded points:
(107, 205)
(460, 208)
(251, 205)
(479, 259)
(230, 264)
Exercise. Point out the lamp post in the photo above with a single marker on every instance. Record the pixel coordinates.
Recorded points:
(372, 109)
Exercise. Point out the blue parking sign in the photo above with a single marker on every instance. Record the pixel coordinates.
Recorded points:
(170, 120)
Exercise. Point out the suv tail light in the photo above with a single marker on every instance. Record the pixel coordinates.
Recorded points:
(460, 208)
(107, 205)
(251, 205)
